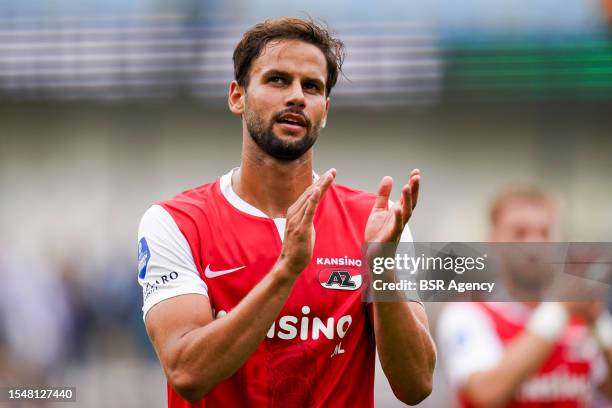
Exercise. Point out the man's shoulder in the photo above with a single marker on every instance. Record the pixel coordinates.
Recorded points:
(350, 191)
(464, 317)
(452, 310)
(201, 192)
(190, 207)
(350, 195)
(353, 201)
(196, 197)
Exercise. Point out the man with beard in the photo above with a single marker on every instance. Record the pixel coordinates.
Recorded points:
(526, 354)
(252, 285)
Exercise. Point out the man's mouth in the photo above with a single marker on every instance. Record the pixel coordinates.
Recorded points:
(292, 120)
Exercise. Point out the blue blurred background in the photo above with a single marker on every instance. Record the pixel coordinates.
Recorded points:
(107, 106)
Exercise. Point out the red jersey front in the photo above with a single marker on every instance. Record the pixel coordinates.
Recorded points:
(320, 351)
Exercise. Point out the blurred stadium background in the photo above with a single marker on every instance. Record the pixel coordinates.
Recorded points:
(107, 106)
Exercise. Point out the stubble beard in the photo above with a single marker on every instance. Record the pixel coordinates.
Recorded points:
(283, 149)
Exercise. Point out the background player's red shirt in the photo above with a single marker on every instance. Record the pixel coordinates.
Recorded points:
(473, 336)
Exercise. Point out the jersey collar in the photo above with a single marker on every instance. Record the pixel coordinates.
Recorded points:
(230, 195)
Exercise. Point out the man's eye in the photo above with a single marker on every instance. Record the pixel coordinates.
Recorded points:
(311, 86)
(277, 80)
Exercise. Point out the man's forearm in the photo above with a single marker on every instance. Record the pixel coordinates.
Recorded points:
(495, 387)
(406, 349)
(523, 356)
(208, 355)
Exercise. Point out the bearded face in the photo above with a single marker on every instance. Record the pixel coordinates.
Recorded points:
(285, 147)
(285, 102)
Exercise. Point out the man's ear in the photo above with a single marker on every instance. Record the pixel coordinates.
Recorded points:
(324, 121)
(235, 98)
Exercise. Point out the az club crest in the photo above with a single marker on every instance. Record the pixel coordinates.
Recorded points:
(340, 279)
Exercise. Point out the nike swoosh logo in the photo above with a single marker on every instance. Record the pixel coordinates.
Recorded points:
(213, 274)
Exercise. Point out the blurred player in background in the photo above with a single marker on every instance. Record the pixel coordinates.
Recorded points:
(526, 354)
(252, 290)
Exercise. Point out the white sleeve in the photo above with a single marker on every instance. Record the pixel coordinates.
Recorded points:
(165, 264)
(468, 342)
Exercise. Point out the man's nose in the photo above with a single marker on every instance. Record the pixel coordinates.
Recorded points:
(295, 96)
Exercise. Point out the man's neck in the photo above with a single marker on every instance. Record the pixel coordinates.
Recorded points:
(270, 185)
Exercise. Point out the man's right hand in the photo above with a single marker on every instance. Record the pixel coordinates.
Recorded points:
(298, 244)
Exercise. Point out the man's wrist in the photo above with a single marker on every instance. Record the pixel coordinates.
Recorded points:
(602, 330)
(549, 321)
(283, 272)
(379, 251)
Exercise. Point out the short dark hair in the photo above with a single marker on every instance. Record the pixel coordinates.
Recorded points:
(255, 39)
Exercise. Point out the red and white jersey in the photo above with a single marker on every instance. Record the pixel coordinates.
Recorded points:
(320, 351)
(472, 337)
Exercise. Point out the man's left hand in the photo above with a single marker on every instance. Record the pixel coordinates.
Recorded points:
(386, 224)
